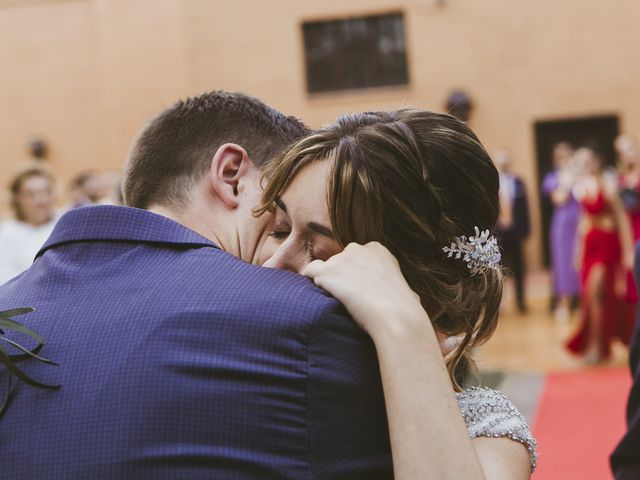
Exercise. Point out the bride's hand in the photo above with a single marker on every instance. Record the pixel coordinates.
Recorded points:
(368, 281)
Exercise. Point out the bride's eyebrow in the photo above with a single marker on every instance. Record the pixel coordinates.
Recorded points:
(316, 227)
(321, 229)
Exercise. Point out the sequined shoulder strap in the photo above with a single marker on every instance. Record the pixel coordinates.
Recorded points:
(489, 413)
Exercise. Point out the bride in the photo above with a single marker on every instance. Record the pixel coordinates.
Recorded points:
(385, 211)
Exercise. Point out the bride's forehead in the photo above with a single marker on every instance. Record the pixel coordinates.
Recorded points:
(310, 180)
(306, 192)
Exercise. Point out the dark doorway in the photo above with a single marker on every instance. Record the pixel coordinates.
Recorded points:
(601, 130)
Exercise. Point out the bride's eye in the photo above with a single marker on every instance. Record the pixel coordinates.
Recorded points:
(280, 227)
(278, 233)
(309, 250)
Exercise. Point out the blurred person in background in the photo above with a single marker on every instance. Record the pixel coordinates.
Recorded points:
(629, 190)
(513, 224)
(38, 149)
(112, 181)
(629, 175)
(604, 257)
(87, 188)
(34, 215)
(557, 186)
(625, 460)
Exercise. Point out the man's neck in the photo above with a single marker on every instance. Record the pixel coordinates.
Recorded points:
(190, 218)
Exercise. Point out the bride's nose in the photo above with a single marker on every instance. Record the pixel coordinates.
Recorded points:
(282, 259)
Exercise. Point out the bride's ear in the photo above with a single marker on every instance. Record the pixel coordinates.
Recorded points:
(229, 164)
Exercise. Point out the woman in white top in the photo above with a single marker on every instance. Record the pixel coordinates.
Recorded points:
(421, 184)
(33, 205)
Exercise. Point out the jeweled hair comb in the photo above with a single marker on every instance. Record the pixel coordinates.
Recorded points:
(479, 252)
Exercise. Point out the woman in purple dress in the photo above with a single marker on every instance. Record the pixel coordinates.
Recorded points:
(557, 185)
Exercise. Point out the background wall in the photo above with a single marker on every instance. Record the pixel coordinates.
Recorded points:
(85, 74)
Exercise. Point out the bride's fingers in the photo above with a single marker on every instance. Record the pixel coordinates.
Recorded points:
(313, 269)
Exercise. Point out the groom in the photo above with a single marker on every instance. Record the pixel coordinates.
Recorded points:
(178, 357)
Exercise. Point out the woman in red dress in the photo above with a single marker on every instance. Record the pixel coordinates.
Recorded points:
(605, 258)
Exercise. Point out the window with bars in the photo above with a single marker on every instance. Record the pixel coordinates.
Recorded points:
(355, 53)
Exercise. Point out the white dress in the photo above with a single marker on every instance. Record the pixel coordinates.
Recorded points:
(19, 244)
(489, 413)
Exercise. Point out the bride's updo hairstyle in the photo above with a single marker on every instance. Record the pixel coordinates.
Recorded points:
(412, 180)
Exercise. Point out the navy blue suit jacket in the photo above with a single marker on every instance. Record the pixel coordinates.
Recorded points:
(178, 360)
(521, 219)
(625, 460)
(521, 215)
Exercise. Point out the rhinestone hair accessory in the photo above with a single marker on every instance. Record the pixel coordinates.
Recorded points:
(479, 252)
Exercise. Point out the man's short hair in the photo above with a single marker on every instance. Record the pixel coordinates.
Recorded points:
(176, 148)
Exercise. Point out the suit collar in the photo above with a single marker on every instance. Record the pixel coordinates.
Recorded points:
(124, 224)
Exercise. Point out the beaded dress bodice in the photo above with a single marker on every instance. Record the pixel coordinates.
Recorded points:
(489, 413)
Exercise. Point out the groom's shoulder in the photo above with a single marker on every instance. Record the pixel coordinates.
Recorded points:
(226, 276)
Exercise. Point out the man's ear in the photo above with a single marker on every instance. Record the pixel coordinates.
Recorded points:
(229, 164)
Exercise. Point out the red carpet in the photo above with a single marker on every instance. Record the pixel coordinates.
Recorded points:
(580, 419)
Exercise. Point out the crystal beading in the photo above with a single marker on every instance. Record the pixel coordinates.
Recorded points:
(479, 252)
(489, 413)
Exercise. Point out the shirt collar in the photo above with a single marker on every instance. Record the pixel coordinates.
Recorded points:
(115, 223)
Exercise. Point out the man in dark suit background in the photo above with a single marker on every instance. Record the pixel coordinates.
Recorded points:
(625, 459)
(178, 357)
(514, 224)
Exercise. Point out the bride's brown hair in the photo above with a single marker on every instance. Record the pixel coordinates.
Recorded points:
(412, 180)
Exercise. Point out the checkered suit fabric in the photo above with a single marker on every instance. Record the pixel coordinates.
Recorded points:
(179, 361)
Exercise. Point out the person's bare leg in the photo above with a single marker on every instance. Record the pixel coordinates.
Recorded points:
(562, 312)
(596, 297)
